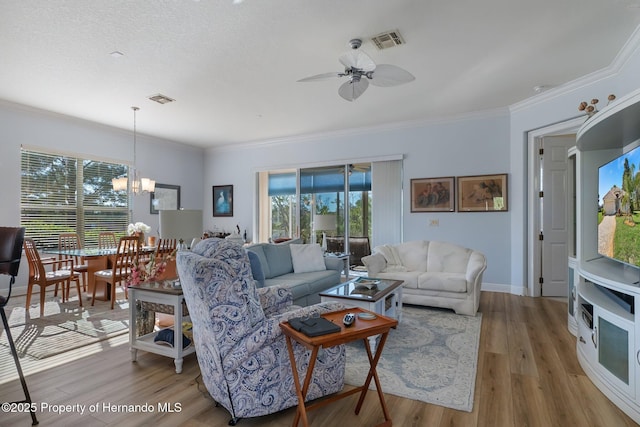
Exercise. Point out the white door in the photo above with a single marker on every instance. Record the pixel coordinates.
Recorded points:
(554, 205)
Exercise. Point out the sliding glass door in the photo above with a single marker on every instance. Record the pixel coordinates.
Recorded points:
(324, 205)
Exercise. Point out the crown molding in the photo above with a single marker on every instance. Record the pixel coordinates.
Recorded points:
(344, 133)
(627, 51)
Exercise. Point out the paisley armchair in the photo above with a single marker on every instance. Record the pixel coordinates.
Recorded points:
(240, 347)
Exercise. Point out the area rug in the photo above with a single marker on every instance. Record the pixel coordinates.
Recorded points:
(64, 326)
(432, 356)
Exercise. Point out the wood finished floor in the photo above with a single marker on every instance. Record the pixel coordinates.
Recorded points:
(528, 375)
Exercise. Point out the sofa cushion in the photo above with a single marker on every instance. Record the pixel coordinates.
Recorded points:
(306, 285)
(410, 278)
(413, 255)
(306, 258)
(450, 282)
(447, 257)
(258, 249)
(256, 268)
(279, 260)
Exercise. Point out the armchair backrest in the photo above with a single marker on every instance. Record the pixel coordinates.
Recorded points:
(11, 239)
(220, 292)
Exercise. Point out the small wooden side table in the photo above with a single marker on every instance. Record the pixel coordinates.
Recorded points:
(360, 330)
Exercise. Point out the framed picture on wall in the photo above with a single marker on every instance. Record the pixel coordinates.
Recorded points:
(223, 200)
(433, 194)
(164, 198)
(483, 193)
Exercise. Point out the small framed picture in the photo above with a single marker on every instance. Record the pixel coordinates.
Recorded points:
(165, 198)
(483, 193)
(432, 194)
(223, 200)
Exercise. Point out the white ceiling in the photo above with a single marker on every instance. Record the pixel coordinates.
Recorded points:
(232, 68)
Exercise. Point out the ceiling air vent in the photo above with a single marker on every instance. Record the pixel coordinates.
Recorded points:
(387, 40)
(161, 99)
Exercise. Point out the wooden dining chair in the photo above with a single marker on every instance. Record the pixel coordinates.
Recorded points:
(125, 258)
(71, 242)
(38, 275)
(165, 247)
(107, 240)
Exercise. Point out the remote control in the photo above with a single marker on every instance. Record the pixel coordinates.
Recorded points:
(349, 319)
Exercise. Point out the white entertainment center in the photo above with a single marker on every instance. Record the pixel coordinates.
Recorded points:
(604, 293)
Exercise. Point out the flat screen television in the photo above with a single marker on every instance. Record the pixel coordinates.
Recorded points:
(619, 209)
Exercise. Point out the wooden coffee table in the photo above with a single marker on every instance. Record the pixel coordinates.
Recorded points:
(361, 329)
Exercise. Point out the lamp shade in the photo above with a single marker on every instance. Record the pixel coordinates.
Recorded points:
(325, 222)
(182, 224)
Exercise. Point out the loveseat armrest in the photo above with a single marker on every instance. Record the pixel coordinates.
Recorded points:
(475, 267)
(375, 263)
(333, 263)
(275, 299)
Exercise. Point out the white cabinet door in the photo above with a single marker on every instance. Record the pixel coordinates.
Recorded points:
(615, 347)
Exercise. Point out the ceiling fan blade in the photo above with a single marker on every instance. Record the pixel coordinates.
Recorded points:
(323, 76)
(357, 59)
(386, 75)
(351, 90)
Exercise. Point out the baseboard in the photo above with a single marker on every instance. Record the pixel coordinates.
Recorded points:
(505, 289)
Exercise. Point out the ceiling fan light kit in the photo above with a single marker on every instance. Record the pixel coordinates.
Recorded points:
(360, 70)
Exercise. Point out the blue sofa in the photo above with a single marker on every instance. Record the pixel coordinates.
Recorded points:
(271, 264)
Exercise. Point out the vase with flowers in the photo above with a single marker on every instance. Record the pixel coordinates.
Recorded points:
(138, 229)
(149, 271)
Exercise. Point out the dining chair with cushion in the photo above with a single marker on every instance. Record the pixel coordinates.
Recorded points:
(71, 243)
(107, 240)
(38, 275)
(11, 240)
(121, 266)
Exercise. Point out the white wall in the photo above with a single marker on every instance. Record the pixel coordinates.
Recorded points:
(489, 144)
(557, 106)
(166, 162)
(484, 143)
(470, 146)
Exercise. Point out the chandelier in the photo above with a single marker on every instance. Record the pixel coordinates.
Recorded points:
(138, 185)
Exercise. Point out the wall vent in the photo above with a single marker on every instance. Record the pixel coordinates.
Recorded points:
(161, 99)
(387, 39)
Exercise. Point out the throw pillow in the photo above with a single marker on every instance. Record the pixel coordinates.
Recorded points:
(307, 258)
(279, 260)
(256, 269)
(375, 263)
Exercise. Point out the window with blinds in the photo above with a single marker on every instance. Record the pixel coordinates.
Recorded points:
(66, 194)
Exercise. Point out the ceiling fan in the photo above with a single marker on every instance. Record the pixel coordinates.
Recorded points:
(359, 68)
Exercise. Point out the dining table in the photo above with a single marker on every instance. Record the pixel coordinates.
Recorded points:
(96, 259)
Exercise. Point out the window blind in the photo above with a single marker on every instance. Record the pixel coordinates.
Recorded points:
(63, 194)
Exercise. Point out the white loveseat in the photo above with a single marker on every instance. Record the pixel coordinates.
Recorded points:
(436, 274)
